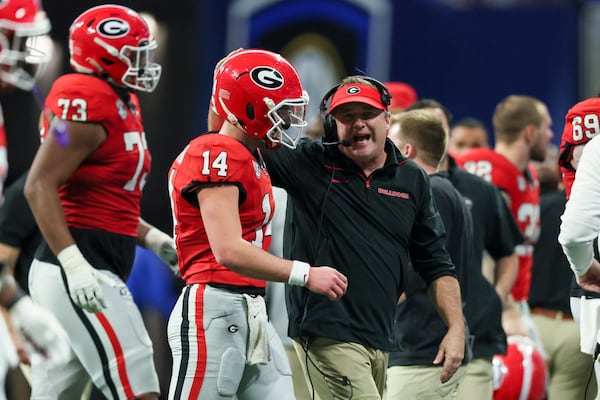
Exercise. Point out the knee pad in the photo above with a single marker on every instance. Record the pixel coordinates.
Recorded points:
(231, 371)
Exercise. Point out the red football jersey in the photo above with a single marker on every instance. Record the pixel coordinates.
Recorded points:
(582, 123)
(524, 193)
(104, 192)
(208, 159)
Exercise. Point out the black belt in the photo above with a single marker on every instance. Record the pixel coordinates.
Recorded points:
(249, 290)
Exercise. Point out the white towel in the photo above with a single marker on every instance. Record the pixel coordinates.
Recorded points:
(589, 324)
(257, 348)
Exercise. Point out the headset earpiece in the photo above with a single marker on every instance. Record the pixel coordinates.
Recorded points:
(329, 124)
(386, 96)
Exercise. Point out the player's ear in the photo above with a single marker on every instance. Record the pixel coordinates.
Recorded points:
(530, 133)
(408, 150)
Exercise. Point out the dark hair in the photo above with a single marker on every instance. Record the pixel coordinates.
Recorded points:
(470, 122)
(430, 103)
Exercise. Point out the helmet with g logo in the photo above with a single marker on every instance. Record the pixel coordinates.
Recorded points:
(21, 62)
(260, 92)
(114, 42)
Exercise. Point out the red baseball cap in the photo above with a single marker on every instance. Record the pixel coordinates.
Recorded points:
(356, 93)
(403, 95)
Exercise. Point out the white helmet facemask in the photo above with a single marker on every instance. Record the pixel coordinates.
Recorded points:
(288, 119)
(22, 60)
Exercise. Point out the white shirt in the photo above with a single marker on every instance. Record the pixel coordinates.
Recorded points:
(581, 219)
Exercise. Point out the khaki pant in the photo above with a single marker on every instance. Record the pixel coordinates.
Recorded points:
(301, 389)
(478, 381)
(345, 370)
(421, 382)
(569, 369)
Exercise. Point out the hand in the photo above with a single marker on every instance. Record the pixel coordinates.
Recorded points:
(591, 279)
(15, 338)
(451, 352)
(222, 60)
(85, 289)
(42, 333)
(327, 281)
(83, 280)
(164, 246)
(513, 323)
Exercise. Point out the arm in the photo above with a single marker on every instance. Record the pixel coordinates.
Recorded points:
(590, 280)
(581, 219)
(9, 255)
(52, 166)
(220, 214)
(445, 293)
(37, 328)
(507, 269)
(512, 321)
(505, 275)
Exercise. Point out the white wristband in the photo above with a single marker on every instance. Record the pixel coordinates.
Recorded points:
(299, 273)
(71, 258)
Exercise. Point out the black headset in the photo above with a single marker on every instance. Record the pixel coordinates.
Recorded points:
(329, 126)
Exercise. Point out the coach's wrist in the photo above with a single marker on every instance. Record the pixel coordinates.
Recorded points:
(299, 273)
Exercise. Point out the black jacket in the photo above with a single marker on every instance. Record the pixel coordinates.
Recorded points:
(366, 227)
(417, 314)
(552, 281)
(18, 228)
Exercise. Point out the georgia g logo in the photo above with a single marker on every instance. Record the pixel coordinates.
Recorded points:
(267, 77)
(113, 28)
(353, 90)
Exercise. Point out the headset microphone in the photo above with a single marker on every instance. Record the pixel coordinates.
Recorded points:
(345, 143)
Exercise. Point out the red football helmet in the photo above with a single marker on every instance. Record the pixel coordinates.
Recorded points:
(582, 123)
(521, 373)
(115, 42)
(21, 21)
(260, 92)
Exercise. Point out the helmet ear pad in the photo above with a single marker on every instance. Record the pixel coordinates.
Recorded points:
(330, 135)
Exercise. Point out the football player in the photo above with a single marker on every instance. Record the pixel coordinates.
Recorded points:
(84, 188)
(522, 129)
(578, 235)
(221, 340)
